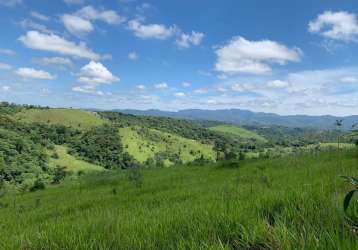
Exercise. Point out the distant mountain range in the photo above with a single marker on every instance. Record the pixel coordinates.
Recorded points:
(246, 117)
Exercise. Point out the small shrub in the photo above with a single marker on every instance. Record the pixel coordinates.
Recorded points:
(229, 164)
(241, 156)
(135, 176)
(38, 185)
(59, 175)
(55, 155)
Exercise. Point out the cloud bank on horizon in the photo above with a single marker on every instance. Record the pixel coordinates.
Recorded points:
(272, 57)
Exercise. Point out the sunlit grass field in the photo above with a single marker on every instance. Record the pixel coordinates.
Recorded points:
(143, 143)
(69, 117)
(284, 203)
(238, 131)
(69, 162)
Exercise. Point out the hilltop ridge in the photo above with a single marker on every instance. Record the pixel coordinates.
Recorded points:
(247, 117)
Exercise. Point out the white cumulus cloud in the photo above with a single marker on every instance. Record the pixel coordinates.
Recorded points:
(77, 25)
(96, 73)
(53, 43)
(253, 57)
(188, 40)
(151, 31)
(30, 73)
(80, 22)
(339, 25)
(108, 16)
(92, 76)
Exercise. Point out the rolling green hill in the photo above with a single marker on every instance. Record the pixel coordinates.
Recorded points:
(75, 118)
(144, 143)
(69, 162)
(238, 131)
(285, 203)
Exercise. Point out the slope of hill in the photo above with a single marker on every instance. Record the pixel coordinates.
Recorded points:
(239, 116)
(150, 144)
(226, 145)
(59, 157)
(238, 131)
(95, 138)
(75, 118)
(285, 203)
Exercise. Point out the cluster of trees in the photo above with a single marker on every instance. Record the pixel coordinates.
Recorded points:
(24, 148)
(102, 145)
(21, 158)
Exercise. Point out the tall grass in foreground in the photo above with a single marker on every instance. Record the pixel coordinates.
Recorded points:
(283, 203)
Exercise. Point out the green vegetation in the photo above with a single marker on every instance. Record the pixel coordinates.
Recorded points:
(59, 157)
(225, 146)
(283, 203)
(296, 137)
(21, 159)
(352, 218)
(150, 144)
(74, 118)
(332, 145)
(227, 188)
(114, 140)
(238, 131)
(102, 146)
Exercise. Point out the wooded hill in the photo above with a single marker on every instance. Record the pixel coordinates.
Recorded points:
(44, 144)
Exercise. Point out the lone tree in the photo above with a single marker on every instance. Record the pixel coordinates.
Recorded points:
(339, 124)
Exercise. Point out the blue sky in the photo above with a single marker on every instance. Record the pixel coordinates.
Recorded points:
(286, 57)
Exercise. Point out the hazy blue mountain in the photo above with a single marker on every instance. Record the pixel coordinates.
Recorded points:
(246, 117)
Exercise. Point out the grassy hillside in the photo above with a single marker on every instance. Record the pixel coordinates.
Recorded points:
(279, 151)
(143, 144)
(286, 203)
(69, 117)
(238, 131)
(70, 163)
